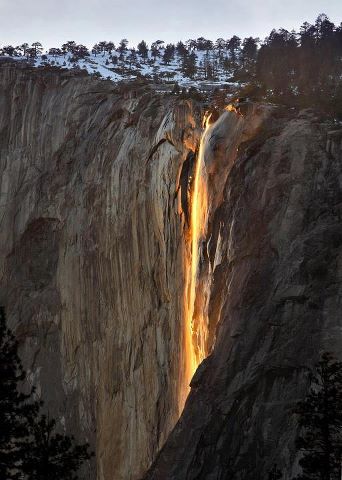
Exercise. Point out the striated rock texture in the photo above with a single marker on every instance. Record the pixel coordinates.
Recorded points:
(91, 255)
(95, 182)
(275, 291)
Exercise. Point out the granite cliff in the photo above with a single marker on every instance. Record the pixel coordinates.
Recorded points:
(275, 299)
(95, 206)
(91, 255)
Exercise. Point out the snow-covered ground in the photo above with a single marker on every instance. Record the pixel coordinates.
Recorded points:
(113, 67)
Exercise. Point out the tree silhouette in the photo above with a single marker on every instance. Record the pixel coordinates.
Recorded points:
(189, 67)
(29, 445)
(320, 419)
(123, 45)
(52, 456)
(169, 53)
(16, 410)
(233, 46)
(37, 47)
(143, 49)
(300, 69)
(68, 47)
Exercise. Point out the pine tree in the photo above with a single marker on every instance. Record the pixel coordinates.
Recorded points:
(249, 52)
(132, 58)
(189, 67)
(220, 45)
(8, 50)
(109, 47)
(68, 47)
(143, 49)
(156, 47)
(320, 419)
(80, 51)
(169, 53)
(55, 52)
(181, 49)
(95, 50)
(38, 48)
(155, 50)
(233, 46)
(52, 456)
(16, 410)
(102, 46)
(29, 445)
(23, 47)
(123, 45)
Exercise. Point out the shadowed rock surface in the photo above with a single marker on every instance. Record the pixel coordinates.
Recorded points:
(91, 255)
(94, 218)
(276, 294)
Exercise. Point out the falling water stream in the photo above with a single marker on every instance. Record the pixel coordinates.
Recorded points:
(195, 325)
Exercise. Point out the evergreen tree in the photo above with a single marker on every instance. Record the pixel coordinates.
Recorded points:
(191, 44)
(320, 419)
(8, 50)
(38, 48)
(249, 52)
(102, 47)
(226, 64)
(220, 45)
(169, 53)
(80, 51)
(324, 27)
(16, 411)
(233, 46)
(52, 456)
(23, 47)
(68, 47)
(209, 67)
(189, 67)
(96, 49)
(109, 47)
(277, 62)
(155, 50)
(29, 445)
(181, 49)
(55, 52)
(203, 44)
(132, 58)
(123, 45)
(143, 49)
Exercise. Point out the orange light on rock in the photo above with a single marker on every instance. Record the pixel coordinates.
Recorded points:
(195, 334)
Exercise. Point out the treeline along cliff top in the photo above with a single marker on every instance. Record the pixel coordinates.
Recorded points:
(302, 68)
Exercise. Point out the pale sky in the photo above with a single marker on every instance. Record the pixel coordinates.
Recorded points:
(89, 21)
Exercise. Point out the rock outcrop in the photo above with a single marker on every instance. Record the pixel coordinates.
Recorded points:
(275, 293)
(94, 211)
(91, 265)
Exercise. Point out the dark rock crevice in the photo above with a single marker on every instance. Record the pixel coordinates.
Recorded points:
(276, 297)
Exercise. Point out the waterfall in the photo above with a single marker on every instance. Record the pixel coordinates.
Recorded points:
(195, 325)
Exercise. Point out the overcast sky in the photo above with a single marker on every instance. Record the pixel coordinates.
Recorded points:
(89, 21)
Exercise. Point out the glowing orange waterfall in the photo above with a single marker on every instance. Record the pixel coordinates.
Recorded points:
(195, 325)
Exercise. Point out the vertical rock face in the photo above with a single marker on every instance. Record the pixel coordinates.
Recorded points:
(94, 212)
(274, 252)
(92, 255)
